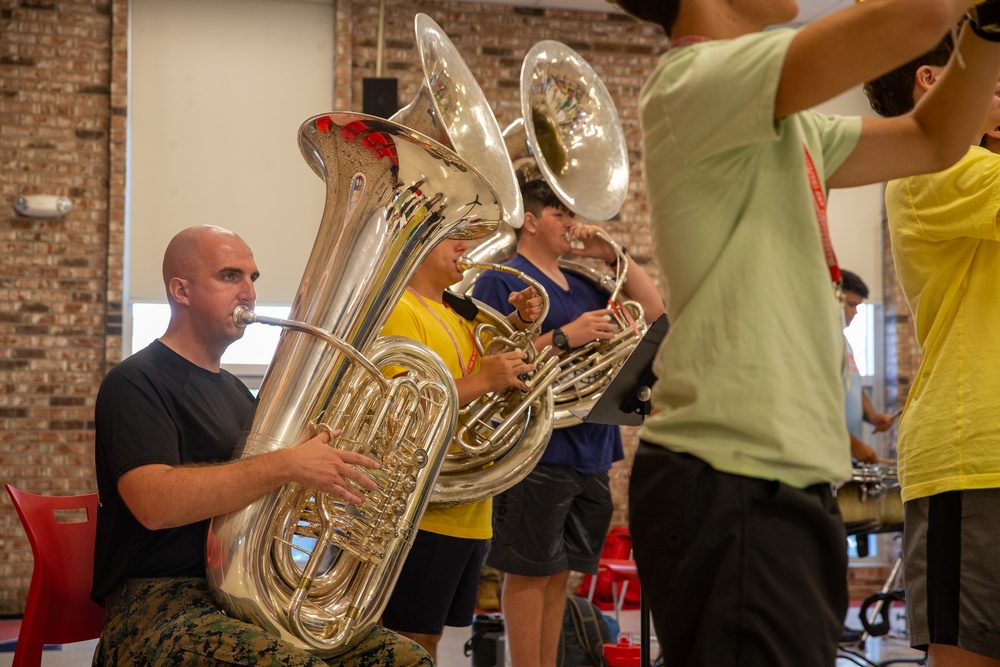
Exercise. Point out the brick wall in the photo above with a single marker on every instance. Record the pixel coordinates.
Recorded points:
(62, 131)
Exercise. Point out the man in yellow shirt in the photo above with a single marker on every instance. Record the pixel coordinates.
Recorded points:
(946, 247)
(439, 581)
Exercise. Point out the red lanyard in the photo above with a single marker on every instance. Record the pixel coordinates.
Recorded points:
(688, 40)
(819, 205)
(447, 329)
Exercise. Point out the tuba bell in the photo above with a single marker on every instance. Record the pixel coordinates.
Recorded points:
(451, 108)
(307, 567)
(569, 135)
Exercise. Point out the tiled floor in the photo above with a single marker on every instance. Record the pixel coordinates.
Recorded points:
(877, 651)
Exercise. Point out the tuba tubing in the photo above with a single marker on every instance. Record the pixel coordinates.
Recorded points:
(586, 371)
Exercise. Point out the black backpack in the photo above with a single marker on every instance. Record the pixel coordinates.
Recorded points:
(584, 635)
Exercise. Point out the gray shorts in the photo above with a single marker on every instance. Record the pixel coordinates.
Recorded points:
(950, 545)
(555, 519)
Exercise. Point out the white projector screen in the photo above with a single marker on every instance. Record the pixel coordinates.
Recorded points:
(218, 91)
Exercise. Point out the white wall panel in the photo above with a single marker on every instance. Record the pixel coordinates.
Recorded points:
(218, 91)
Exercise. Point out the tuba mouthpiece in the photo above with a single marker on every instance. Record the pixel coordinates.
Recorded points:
(243, 316)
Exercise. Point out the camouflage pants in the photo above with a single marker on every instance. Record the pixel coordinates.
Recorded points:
(176, 622)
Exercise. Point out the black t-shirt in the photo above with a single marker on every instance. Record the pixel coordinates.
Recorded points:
(158, 407)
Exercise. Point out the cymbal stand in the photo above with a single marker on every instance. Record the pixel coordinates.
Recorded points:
(890, 585)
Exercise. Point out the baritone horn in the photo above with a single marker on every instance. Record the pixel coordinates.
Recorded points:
(305, 566)
(569, 135)
(451, 108)
(501, 435)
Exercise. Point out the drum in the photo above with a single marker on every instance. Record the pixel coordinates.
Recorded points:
(858, 500)
(890, 502)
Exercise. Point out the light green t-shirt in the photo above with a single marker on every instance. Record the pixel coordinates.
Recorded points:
(456, 347)
(749, 376)
(945, 246)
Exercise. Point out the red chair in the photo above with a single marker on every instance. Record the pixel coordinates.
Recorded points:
(602, 590)
(59, 609)
(625, 572)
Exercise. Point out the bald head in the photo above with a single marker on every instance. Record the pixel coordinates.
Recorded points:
(191, 248)
(209, 272)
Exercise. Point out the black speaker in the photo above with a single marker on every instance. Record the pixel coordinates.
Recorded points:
(379, 97)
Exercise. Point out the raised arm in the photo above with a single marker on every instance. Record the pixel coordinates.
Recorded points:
(835, 53)
(949, 118)
(638, 285)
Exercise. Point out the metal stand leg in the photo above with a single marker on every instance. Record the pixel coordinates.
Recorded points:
(890, 584)
(644, 656)
(876, 609)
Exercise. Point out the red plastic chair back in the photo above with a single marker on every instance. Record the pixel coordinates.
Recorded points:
(59, 609)
(617, 546)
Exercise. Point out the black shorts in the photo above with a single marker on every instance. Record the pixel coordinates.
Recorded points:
(437, 585)
(555, 519)
(738, 571)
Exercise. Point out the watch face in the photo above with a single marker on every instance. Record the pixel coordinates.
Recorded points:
(559, 339)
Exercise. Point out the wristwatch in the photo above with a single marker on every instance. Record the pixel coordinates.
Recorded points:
(560, 340)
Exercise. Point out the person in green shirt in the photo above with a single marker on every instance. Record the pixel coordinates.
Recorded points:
(731, 509)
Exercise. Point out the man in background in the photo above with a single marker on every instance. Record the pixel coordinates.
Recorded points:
(555, 520)
(859, 408)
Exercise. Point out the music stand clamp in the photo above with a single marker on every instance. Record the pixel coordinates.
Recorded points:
(626, 402)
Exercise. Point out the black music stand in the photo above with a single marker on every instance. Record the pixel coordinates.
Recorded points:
(626, 402)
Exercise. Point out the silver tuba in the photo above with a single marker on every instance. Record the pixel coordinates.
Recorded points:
(570, 136)
(307, 567)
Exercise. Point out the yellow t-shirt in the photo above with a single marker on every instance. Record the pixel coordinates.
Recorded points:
(945, 246)
(417, 320)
